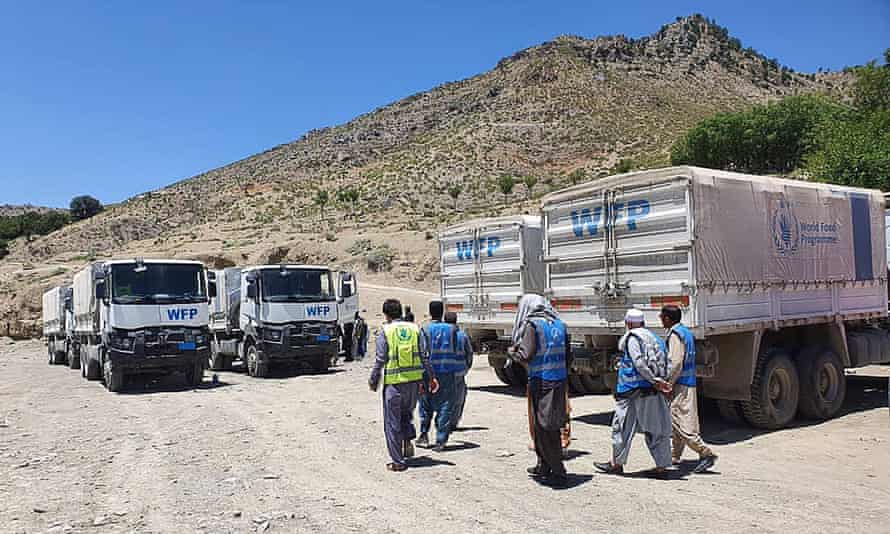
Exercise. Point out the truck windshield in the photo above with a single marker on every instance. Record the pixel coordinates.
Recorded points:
(157, 283)
(296, 285)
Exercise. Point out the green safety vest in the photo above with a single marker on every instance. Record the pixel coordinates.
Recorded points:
(403, 361)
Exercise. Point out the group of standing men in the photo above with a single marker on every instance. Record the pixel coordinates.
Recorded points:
(655, 392)
(428, 363)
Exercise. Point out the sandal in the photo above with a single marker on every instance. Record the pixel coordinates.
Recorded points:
(396, 467)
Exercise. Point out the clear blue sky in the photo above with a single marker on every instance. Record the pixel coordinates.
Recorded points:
(116, 98)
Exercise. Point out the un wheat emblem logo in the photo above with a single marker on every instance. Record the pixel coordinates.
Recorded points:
(786, 229)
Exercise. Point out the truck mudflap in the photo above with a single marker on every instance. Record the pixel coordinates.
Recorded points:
(131, 362)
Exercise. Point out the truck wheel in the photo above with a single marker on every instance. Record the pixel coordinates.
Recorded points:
(50, 352)
(775, 391)
(594, 384)
(73, 360)
(91, 369)
(218, 361)
(518, 376)
(323, 364)
(731, 411)
(823, 385)
(610, 380)
(255, 367)
(576, 385)
(503, 375)
(113, 376)
(194, 375)
(59, 358)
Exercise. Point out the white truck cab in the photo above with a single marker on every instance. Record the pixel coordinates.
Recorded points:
(267, 314)
(140, 316)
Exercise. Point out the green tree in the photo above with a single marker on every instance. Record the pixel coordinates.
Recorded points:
(84, 207)
(348, 195)
(530, 182)
(854, 152)
(768, 138)
(577, 176)
(871, 90)
(454, 191)
(505, 184)
(623, 166)
(321, 200)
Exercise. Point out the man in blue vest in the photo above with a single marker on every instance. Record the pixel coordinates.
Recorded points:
(542, 344)
(465, 351)
(640, 405)
(438, 341)
(684, 406)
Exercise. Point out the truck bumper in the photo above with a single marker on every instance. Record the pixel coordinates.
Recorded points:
(278, 353)
(134, 363)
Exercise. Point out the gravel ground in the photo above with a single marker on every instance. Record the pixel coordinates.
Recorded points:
(300, 453)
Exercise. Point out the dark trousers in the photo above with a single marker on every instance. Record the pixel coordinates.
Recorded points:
(398, 410)
(549, 413)
(439, 406)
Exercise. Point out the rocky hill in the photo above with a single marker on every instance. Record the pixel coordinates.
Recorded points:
(561, 112)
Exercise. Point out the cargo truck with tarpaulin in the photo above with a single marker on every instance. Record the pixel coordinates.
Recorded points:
(141, 316)
(275, 314)
(782, 282)
(56, 323)
(486, 266)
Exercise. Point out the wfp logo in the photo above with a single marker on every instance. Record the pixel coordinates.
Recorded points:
(786, 229)
(181, 314)
(403, 334)
(318, 310)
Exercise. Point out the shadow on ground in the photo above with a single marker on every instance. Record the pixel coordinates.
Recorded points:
(864, 393)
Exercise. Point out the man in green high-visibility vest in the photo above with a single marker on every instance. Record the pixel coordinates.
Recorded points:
(401, 363)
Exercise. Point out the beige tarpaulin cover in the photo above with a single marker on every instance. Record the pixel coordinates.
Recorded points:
(760, 229)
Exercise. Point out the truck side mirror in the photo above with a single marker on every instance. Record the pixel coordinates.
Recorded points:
(346, 285)
(100, 291)
(251, 290)
(211, 289)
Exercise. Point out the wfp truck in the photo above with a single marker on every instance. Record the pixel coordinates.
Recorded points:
(140, 316)
(270, 314)
(57, 323)
(782, 282)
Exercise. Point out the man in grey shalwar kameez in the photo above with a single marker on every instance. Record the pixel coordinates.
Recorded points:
(640, 405)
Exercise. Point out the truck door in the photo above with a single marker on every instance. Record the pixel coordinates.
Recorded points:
(347, 301)
(499, 272)
(648, 243)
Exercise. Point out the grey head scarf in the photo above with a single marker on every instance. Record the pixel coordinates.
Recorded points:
(530, 307)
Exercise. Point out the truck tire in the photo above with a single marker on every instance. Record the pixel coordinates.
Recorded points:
(823, 384)
(218, 361)
(731, 411)
(503, 375)
(255, 367)
(610, 380)
(73, 359)
(194, 375)
(594, 384)
(113, 376)
(49, 352)
(576, 386)
(518, 376)
(322, 363)
(89, 368)
(775, 391)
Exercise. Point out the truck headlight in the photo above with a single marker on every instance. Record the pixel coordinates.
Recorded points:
(199, 339)
(122, 343)
(272, 335)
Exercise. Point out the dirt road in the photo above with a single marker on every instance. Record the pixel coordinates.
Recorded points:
(301, 453)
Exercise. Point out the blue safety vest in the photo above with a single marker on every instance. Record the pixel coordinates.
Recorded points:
(441, 341)
(549, 362)
(687, 376)
(628, 377)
